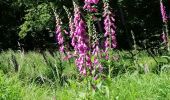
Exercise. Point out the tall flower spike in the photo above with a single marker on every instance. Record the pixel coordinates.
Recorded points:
(109, 28)
(74, 24)
(59, 37)
(165, 35)
(97, 66)
(163, 12)
(71, 23)
(81, 46)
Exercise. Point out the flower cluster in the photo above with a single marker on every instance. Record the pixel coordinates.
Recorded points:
(74, 24)
(96, 53)
(71, 25)
(59, 36)
(86, 46)
(109, 27)
(164, 35)
(163, 12)
(89, 5)
(81, 47)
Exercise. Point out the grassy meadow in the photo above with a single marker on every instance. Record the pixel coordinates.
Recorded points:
(47, 76)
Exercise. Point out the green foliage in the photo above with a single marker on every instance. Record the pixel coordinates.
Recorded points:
(130, 87)
(42, 76)
(9, 90)
(37, 67)
(37, 19)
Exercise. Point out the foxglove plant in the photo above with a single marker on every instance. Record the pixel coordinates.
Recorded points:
(96, 52)
(81, 42)
(110, 36)
(71, 28)
(164, 35)
(93, 37)
(59, 36)
(75, 22)
(83, 61)
(71, 23)
(109, 28)
(163, 12)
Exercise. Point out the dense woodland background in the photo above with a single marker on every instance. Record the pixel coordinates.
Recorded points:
(30, 24)
(138, 69)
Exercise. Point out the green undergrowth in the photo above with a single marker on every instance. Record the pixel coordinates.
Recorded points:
(46, 76)
(124, 87)
(128, 86)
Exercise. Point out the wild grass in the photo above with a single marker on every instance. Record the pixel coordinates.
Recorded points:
(46, 76)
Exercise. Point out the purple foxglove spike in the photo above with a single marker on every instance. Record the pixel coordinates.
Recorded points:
(163, 12)
(109, 28)
(59, 36)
